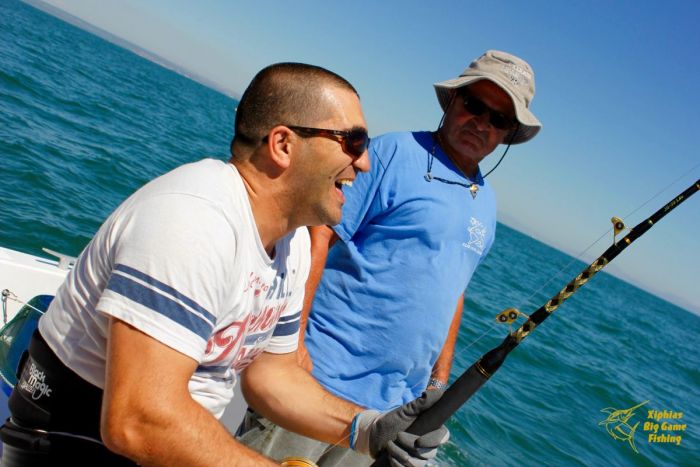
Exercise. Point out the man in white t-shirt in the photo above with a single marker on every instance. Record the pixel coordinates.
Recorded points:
(194, 279)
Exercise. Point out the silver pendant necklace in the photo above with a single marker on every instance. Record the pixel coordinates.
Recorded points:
(473, 187)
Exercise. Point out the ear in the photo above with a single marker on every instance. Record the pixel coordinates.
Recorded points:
(279, 145)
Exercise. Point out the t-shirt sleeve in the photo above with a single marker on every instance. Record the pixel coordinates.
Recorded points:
(167, 279)
(285, 337)
(363, 200)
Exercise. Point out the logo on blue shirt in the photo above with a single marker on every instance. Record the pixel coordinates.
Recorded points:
(477, 234)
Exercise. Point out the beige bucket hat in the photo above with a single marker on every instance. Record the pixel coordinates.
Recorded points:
(510, 73)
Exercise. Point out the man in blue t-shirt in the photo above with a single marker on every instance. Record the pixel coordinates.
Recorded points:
(387, 306)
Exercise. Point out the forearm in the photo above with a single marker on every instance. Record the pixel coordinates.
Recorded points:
(441, 369)
(148, 414)
(296, 401)
(187, 435)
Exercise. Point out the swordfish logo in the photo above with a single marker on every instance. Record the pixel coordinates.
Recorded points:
(477, 235)
(619, 426)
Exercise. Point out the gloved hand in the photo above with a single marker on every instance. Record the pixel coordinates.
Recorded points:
(373, 431)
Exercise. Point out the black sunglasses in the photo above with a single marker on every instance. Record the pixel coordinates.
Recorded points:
(475, 106)
(354, 142)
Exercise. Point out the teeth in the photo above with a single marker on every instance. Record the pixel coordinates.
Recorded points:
(346, 182)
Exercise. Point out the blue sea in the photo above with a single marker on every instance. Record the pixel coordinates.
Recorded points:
(83, 123)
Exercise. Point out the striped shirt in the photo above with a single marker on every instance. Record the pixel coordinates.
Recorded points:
(181, 260)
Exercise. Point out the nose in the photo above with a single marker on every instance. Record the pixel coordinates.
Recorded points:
(482, 121)
(362, 163)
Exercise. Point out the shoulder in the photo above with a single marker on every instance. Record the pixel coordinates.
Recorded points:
(191, 205)
(207, 181)
(384, 148)
(400, 139)
(209, 184)
(204, 178)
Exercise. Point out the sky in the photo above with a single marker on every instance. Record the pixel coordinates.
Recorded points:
(617, 93)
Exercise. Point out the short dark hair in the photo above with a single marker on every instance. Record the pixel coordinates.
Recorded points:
(283, 93)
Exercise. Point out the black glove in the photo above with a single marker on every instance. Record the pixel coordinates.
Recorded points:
(372, 432)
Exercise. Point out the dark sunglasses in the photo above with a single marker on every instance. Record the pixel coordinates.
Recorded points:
(354, 142)
(475, 106)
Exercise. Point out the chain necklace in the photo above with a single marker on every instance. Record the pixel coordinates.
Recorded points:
(473, 187)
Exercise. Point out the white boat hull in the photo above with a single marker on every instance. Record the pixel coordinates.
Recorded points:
(27, 276)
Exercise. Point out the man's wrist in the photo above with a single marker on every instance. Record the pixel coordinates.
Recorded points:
(360, 430)
(436, 383)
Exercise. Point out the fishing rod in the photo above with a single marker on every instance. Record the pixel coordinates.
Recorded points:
(476, 375)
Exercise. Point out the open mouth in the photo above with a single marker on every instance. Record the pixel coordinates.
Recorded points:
(344, 182)
(339, 184)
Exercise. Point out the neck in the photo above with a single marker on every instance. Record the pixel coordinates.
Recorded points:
(468, 168)
(271, 216)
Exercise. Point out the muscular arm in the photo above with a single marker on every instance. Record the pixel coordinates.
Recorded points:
(148, 414)
(280, 390)
(322, 238)
(441, 369)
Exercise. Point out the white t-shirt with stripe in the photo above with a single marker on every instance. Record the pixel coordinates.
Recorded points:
(182, 261)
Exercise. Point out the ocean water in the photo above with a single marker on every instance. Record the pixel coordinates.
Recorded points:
(83, 123)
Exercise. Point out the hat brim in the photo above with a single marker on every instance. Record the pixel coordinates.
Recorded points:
(529, 124)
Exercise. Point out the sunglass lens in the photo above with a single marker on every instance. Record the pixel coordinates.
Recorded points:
(500, 121)
(356, 143)
(476, 107)
(473, 105)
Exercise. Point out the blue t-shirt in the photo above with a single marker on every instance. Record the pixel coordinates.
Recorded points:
(389, 290)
